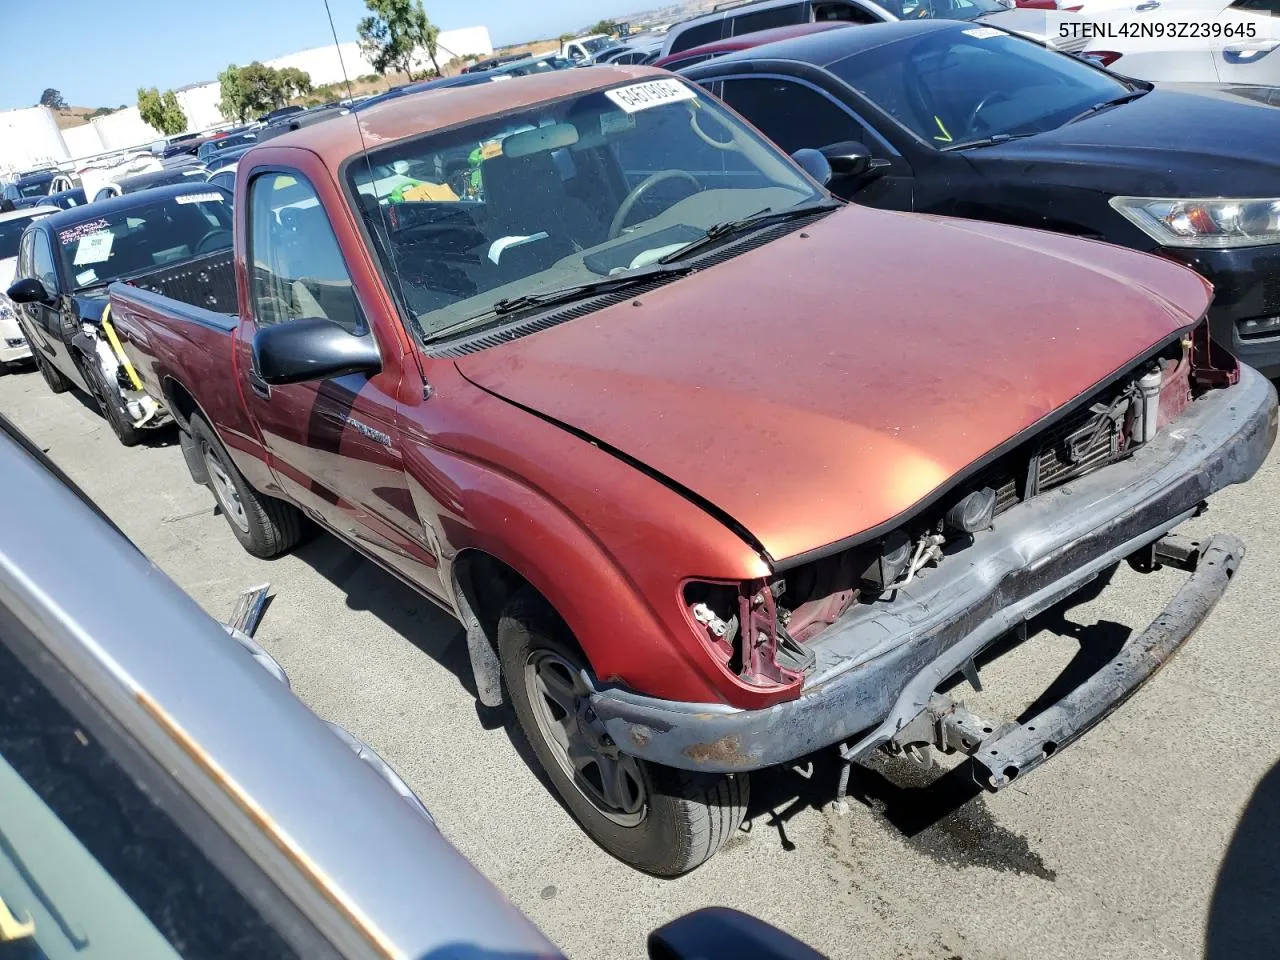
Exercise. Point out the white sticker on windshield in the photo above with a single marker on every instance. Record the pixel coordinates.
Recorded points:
(653, 93)
(95, 248)
(201, 198)
(984, 33)
(86, 277)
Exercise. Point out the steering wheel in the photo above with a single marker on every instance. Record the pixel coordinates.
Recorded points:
(205, 243)
(640, 189)
(994, 95)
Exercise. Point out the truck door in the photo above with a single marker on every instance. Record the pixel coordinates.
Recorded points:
(332, 445)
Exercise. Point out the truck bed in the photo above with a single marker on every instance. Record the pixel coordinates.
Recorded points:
(182, 346)
(208, 282)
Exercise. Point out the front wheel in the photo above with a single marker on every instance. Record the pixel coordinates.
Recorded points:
(111, 403)
(657, 819)
(53, 377)
(265, 526)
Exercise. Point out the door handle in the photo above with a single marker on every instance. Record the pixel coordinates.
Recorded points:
(259, 386)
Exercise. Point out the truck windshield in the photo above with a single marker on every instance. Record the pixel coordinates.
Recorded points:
(561, 194)
(124, 242)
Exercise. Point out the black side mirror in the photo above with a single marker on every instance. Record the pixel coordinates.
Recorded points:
(29, 290)
(848, 159)
(721, 932)
(814, 164)
(297, 351)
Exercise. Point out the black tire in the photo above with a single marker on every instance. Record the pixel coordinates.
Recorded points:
(111, 403)
(53, 377)
(270, 526)
(686, 817)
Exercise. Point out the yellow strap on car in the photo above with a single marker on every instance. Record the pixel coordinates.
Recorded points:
(112, 339)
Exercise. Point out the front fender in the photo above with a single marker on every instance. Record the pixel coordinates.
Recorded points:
(608, 546)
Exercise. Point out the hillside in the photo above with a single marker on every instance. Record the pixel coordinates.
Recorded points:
(75, 116)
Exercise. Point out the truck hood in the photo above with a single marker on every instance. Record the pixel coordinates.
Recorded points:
(826, 382)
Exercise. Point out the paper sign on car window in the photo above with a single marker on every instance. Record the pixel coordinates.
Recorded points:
(95, 248)
(983, 33)
(201, 198)
(653, 93)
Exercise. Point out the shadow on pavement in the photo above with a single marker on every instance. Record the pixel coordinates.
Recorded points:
(941, 813)
(1244, 915)
(368, 587)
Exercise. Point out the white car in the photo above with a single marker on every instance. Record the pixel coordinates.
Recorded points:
(582, 50)
(1227, 59)
(13, 345)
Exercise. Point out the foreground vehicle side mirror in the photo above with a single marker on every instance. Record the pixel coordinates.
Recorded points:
(721, 932)
(29, 290)
(814, 164)
(297, 351)
(851, 159)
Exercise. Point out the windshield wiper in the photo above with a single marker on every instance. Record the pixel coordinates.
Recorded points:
(985, 141)
(760, 218)
(1105, 104)
(551, 298)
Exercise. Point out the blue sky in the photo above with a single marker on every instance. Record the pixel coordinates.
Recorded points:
(98, 53)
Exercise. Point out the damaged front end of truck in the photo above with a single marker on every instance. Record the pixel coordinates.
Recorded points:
(872, 632)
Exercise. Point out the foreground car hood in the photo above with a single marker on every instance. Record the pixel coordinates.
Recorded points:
(1178, 140)
(824, 383)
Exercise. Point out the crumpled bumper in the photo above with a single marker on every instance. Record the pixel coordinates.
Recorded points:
(879, 665)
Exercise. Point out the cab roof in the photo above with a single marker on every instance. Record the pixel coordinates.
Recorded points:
(440, 109)
(101, 208)
(21, 213)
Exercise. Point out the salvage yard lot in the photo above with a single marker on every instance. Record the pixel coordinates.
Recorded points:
(1113, 850)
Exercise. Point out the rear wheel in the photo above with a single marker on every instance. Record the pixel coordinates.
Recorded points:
(53, 378)
(265, 526)
(657, 819)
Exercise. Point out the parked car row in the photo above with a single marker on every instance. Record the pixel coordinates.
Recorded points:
(716, 469)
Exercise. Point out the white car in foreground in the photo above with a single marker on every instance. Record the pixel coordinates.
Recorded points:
(1233, 57)
(13, 345)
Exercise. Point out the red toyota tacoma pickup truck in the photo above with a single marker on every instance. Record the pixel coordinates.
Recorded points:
(716, 471)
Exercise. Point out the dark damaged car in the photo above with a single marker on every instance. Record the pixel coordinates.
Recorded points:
(714, 474)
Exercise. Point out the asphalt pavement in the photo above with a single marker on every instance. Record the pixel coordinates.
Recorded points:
(1157, 835)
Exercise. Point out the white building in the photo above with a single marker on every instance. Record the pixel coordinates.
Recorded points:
(29, 137)
(83, 141)
(124, 129)
(199, 101)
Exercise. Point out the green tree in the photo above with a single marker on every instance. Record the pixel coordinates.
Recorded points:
(609, 27)
(393, 34)
(234, 104)
(161, 111)
(52, 99)
(256, 89)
